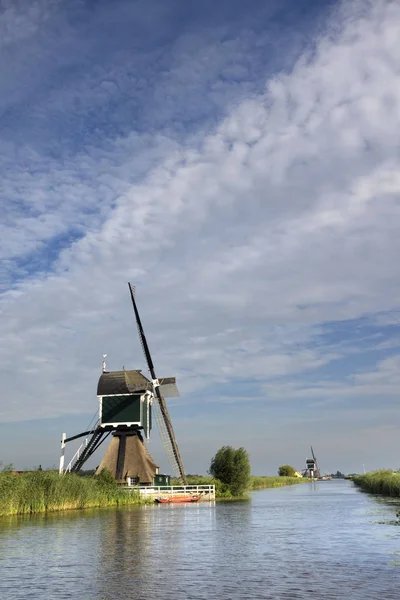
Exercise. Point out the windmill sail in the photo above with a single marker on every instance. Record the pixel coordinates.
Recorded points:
(161, 412)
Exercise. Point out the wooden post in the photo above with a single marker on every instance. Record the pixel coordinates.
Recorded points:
(63, 438)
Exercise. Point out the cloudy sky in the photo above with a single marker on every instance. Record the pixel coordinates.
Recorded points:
(239, 163)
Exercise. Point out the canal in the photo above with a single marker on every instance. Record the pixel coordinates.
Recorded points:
(325, 540)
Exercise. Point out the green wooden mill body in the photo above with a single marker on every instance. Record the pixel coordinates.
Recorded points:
(125, 401)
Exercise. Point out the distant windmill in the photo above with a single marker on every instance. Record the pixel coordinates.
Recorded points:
(126, 402)
(311, 470)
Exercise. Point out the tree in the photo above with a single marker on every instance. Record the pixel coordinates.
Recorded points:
(232, 467)
(287, 471)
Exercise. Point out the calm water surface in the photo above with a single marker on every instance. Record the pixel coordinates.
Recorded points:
(325, 540)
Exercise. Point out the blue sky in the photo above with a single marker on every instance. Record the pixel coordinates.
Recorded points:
(239, 163)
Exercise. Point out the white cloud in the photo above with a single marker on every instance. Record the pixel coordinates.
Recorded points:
(361, 390)
(19, 21)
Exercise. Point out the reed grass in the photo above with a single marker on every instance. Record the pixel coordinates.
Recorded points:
(384, 483)
(259, 483)
(45, 491)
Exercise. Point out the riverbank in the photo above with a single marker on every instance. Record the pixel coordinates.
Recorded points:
(384, 483)
(223, 492)
(260, 483)
(46, 491)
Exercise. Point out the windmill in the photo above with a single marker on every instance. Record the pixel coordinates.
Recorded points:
(127, 400)
(311, 470)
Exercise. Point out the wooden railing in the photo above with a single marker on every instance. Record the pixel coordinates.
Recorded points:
(206, 492)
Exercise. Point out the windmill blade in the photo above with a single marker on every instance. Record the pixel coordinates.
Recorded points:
(142, 337)
(168, 387)
(162, 417)
(167, 436)
(313, 455)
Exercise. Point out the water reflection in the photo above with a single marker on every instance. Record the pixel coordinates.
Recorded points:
(322, 540)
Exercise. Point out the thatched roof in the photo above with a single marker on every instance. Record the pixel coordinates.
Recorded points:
(132, 382)
(127, 456)
(122, 382)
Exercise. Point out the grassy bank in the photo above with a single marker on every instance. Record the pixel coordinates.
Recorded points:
(385, 483)
(45, 491)
(259, 483)
(256, 483)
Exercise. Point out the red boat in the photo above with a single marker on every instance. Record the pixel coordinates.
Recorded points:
(177, 499)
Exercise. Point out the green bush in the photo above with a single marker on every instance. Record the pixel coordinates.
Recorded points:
(106, 480)
(232, 468)
(286, 471)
